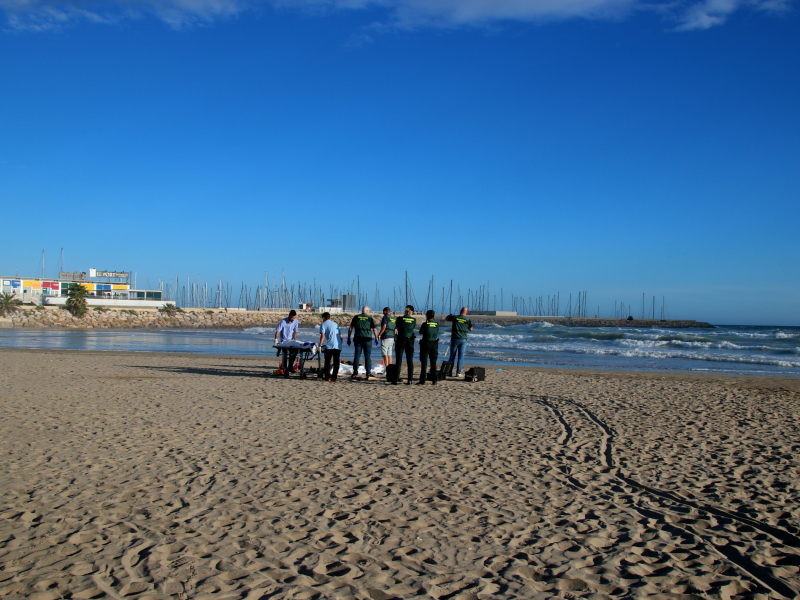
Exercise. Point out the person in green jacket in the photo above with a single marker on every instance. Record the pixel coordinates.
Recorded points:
(428, 347)
(365, 330)
(404, 342)
(388, 327)
(462, 325)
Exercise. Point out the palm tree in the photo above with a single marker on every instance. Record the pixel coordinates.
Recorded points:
(170, 309)
(8, 304)
(76, 299)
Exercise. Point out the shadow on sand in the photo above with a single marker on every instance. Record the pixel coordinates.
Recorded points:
(217, 372)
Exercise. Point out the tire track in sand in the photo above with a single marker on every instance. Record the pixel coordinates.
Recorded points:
(566, 430)
(742, 562)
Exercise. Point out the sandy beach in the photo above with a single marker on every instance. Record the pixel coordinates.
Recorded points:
(135, 475)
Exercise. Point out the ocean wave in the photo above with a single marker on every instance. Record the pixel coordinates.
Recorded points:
(594, 335)
(642, 343)
(496, 357)
(725, 358)
(723, 345)
(682, 337)
(651, 353)
(258, 330)
(540, 325)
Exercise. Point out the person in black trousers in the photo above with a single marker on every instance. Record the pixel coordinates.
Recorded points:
(428, 347)
(330, 339)
(404, 342)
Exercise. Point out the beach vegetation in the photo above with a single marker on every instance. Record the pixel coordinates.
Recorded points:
(209, 312)
(76, 299)
(170, 309)
(100, 309)
(9, 303)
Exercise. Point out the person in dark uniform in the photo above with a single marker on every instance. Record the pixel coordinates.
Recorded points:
(462, 325)
(404, 342)
(428, 347)
(388, 327)
(365, 330)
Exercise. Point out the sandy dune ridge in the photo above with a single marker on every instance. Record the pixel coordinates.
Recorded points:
(174, 476)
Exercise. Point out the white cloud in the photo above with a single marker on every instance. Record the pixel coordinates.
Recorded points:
(709, 13)
(690, 14)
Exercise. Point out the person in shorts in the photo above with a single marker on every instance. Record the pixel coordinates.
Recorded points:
(388, 328)
(330, 340)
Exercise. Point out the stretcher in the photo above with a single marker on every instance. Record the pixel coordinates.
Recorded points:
(305, 351)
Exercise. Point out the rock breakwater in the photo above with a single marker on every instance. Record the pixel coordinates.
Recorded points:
(219, 319)
(137, 319)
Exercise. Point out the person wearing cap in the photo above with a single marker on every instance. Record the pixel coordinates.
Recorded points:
(365, 329)
(284, 332)
(388, 327)
(462, 325)
(404, 342)
(330, 339)
(428, 347)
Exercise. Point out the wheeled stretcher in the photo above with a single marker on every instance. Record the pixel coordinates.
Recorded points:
(305, 351)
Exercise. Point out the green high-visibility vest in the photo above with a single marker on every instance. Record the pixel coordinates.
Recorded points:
(461, 326)
(431, 332)
(406, 326)
(391, 325)
(363, 326)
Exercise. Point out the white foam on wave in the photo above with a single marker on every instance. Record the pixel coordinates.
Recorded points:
(641, 343)
(644, 349)
(728, 358)
(258, 330)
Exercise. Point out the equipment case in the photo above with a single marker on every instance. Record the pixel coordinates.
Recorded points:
(475, 374)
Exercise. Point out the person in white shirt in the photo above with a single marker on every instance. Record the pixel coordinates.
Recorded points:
(330, 338)
(285, 331)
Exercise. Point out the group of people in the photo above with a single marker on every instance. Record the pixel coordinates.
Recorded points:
(395, 335)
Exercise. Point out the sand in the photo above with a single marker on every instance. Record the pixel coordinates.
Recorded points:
(172, 476)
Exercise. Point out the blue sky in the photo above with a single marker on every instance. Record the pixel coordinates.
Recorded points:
(612, 146)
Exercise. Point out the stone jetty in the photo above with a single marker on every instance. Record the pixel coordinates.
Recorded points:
(151, 319)
(235, 319)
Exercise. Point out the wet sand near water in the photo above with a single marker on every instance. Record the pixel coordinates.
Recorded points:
(135, 475)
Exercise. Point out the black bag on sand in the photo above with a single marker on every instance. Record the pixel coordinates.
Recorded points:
(475, 374)
(392, 372)
(446, 370)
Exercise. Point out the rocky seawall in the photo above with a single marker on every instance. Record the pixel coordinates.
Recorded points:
(219, 319)
(137, 319)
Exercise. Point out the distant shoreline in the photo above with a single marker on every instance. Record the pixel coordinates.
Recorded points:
(596, 322)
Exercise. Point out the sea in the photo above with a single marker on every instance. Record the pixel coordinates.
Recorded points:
(723, 349)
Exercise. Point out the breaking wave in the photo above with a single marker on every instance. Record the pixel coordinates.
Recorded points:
(738, 347)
